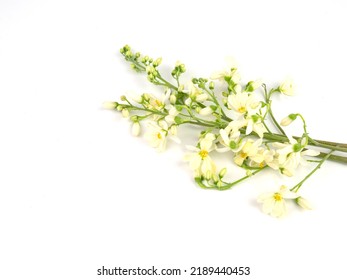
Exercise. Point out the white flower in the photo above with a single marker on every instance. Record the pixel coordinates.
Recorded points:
(250, 149)
(254, 123)
(274, 203)
(156, 135)
(136, 129)
(287, 87)
(291, 155)
(152, 102)
(230, 72)
(242, 102)
(195, 94)
(199, 160)
(304, 203)
(230, 139)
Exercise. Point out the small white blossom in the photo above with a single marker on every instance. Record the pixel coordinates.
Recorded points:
(231, 72)
(230, 139)
(156, 135)
(287, 87)
(250, 150)
(254, 123)
(242, 102)
(200, 160)
(274, 203)
(291, 155)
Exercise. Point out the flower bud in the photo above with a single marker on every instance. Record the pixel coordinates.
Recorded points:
(205, 111)
(201, 97)
(109, 105)
(222, 173)
(208, 175)
(211, 85)
(304, 203)
(173, 99)
(286, 121)
(173, 130)
(253, 85)
(125, 113)
(136, 129)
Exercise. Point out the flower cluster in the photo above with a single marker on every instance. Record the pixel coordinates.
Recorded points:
(237, 119)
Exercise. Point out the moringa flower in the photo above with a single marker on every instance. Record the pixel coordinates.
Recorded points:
(242, 102)
(200, 160)
(275, 203)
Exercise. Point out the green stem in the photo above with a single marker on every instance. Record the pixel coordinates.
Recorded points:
(199, 181)
(297, 186)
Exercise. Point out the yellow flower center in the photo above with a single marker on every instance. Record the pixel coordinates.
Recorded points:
(159, 136)
(277, 197)
(243, 154)
(203, 154)
(241, 109)
(158, 103)
(262, 164)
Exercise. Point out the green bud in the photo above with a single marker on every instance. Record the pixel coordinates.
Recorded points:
(195, 81)
(128, 54)
(123, 98)
(125, 49)
(222, 173)
(293, 116)
(178, 120)
(150, 77)
(297, 147)
(233, 145)
(213, 107)
(215, 178)
(137, 55)
(134, 118)
(219, 184)
(255, 118)
(249, 87)
(182, 68)
(211, 85)
(225, 94)
(119, 108)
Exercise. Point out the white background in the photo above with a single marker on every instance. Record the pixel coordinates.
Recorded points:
(77, 191)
